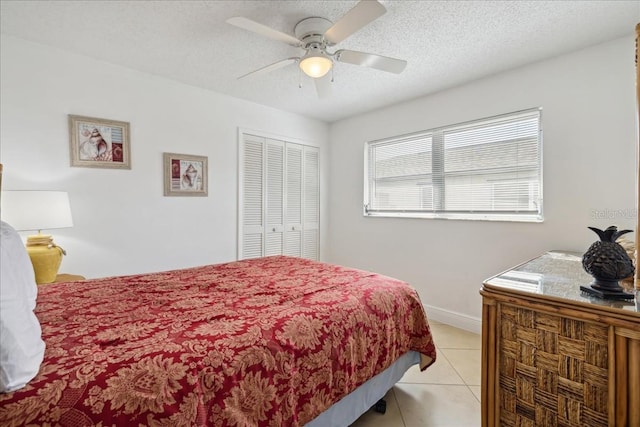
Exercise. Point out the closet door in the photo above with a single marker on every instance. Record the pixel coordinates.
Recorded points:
(311, 212)
(278, 203)
(274, 218)
(251, 223)
(293, 201)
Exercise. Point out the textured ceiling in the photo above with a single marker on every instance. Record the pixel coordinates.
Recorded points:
(446, 43)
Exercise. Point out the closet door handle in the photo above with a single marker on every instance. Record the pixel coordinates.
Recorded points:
(274, 229)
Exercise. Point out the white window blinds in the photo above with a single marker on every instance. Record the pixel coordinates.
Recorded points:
(485, 169)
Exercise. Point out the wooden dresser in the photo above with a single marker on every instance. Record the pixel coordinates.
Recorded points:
(552, 356)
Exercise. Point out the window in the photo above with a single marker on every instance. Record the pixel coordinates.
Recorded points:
(489, 169)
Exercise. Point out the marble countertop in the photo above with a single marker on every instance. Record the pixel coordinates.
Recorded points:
(558, 275)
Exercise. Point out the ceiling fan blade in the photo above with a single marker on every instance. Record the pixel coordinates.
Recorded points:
(263, 30)
(323, 86)
(363, 13)
(271, 67)
(370, 60)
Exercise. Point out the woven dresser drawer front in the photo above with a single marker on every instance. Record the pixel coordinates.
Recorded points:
(553, 371)
(552, 356)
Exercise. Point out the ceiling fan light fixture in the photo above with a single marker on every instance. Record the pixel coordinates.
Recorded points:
(316, 65)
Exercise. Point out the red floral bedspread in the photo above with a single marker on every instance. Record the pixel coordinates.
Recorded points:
(267, 342)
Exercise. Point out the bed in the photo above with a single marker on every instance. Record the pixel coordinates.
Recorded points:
(275, 341)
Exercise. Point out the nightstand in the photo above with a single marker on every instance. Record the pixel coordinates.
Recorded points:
(552, 355)
(68, 278)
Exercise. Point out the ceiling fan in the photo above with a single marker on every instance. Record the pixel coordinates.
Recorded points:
(315, 35)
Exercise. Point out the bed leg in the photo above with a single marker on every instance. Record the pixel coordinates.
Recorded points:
(380, 406)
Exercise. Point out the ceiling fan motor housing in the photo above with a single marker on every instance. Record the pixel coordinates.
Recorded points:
(311, 31)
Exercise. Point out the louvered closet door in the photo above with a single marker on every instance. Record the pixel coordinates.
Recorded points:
(274, 241)
(293, 201)
(278, 210)
(252, 231)
(311, 203)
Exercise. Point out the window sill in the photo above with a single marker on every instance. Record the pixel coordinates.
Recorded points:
(465, 217)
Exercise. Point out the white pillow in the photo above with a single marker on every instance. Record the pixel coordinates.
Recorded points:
(21, 345)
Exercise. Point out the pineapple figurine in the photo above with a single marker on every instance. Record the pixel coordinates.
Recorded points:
(607, 261)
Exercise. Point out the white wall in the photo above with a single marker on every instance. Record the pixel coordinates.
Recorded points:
(122, 222)
(124, 225)
(588, 101)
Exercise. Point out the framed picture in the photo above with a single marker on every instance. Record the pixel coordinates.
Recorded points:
(185, 175)
(99, 143)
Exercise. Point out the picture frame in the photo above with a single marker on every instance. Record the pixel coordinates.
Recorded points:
(185, 175)
(99, 143)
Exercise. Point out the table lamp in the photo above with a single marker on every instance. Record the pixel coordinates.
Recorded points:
(39, 210)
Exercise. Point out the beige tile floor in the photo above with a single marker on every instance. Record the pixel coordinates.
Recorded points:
(446, 394)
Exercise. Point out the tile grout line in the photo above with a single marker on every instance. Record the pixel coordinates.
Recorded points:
(474, 395)
(441, 353)
(393, 392)
(454, 368)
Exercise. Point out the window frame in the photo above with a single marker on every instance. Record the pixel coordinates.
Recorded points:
(438, 175)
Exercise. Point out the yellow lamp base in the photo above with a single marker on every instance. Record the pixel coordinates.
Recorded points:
(45, 257)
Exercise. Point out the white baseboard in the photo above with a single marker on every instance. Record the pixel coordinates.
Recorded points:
(459, 320)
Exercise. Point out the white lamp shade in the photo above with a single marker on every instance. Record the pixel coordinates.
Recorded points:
(36, 210)
(316, 65)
